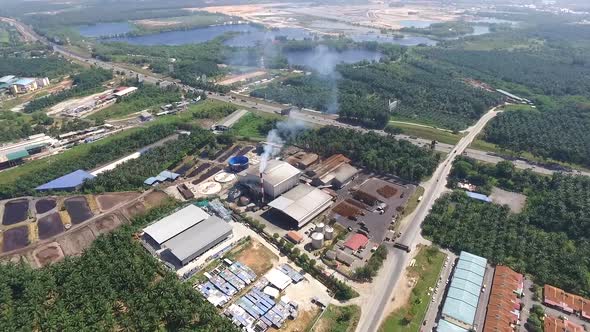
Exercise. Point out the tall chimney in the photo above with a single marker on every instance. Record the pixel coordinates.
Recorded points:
(261, 188)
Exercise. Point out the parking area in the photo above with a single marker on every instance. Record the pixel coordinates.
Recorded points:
(371, 204)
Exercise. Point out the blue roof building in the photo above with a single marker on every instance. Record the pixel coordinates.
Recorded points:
(24, 81)
(71, 181)
(167, 175)
(480, 197)
(460, 306)
(150, 181)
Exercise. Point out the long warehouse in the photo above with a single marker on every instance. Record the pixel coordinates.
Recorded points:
(302, 203)
(186, 234)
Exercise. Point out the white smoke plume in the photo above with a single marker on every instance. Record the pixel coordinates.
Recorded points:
(276, 138)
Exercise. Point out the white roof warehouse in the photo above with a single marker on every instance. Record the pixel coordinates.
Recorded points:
(186, 234)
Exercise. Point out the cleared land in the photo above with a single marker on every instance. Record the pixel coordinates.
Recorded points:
(339, 319)
(515, 201)
(256, 256)
(243, 77)
(425, 272)
(109, 201)
(426, 132)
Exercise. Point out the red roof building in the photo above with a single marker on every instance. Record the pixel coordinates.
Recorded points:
(554, 324)
(294, 237)
(565, 301)
(504, 306)
(357, 241)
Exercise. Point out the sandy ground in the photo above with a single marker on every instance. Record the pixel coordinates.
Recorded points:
(229, 80)
(73, 103)
(515, 201)
(156, 24)
(257, 257)
(378, 15)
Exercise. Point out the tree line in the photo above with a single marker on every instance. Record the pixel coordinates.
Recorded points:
(114, 285)
(81, 157)
(548, 239)
(50, 66)
(381, 154)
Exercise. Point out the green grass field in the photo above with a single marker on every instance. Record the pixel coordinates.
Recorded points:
(4, 37)
(430, 133)
(254, 126)
(412, 203)
(427, 269)
(340, 319)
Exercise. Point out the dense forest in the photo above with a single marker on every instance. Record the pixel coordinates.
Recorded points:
(114, 285)
(425, 91)
(377, 153)
(132, 174)
(52, 67)
(556, 134)
(547, 240)
(87, 82)
(81, 157)
(14, 125)
(545, 73)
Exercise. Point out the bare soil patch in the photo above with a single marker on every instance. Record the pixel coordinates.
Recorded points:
(50, 225)
(109, 201)
(257, 257)
(134, 209)
(387, 191)
(15, 238)
(78, 209)
(107, 223)
(15, 211)
(45, 205)
(303, 322)
(155, 198)
(515, 201)
(48, 254)
(76, 241)
(346, 210)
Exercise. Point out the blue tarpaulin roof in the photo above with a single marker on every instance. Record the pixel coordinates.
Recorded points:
(480, 197)
(68, 181)
(150, 181)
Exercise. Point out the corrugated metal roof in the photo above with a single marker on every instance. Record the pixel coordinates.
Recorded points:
(444, 326)
(197, 237)
(465, 288)
(480, 197)
(68, 181)
(24, 81)
(7, 78)
(17, 155)
(150, 181)
(231, 119)
(172, 225)
(302, 203)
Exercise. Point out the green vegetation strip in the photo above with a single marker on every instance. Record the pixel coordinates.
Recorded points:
(425, 132)
(340, 318)
(427, 269)
(255, 126)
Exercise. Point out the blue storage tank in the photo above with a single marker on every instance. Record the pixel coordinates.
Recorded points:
(238, 163)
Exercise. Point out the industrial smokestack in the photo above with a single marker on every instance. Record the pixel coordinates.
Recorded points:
(275, 139)
(261, 188)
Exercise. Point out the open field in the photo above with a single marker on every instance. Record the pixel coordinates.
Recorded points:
(442, 136)
(412, 202)
(229, 80)
(254, 125)
(424, 273)
(257, 257)
(339, 319)
(378, 16)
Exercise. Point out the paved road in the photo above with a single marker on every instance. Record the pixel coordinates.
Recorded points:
(372, 314)
(445, 275)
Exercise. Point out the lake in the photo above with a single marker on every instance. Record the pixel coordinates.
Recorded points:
(190, 36)
(104, 29)
(404, 40)
(416, 23)
(324, 60)
(253, 38)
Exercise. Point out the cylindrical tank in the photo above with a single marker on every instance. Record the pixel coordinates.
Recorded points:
(317, 240)
(320, 228)
(328, 233)
(238, 163)
(244, 201)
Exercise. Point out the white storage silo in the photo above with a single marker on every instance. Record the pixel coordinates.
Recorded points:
(317, 240)
(320, 228)
(328, 233)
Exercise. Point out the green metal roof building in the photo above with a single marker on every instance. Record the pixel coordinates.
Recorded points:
(463, 295)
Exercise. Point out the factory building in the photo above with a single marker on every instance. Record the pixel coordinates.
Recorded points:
(25, 85)
(503, 311)
(335, 171)
(277, 178)
(124, 91)
(186, 234)
(301, 204)
(12, 154)
(303, 160)
(460, 305)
